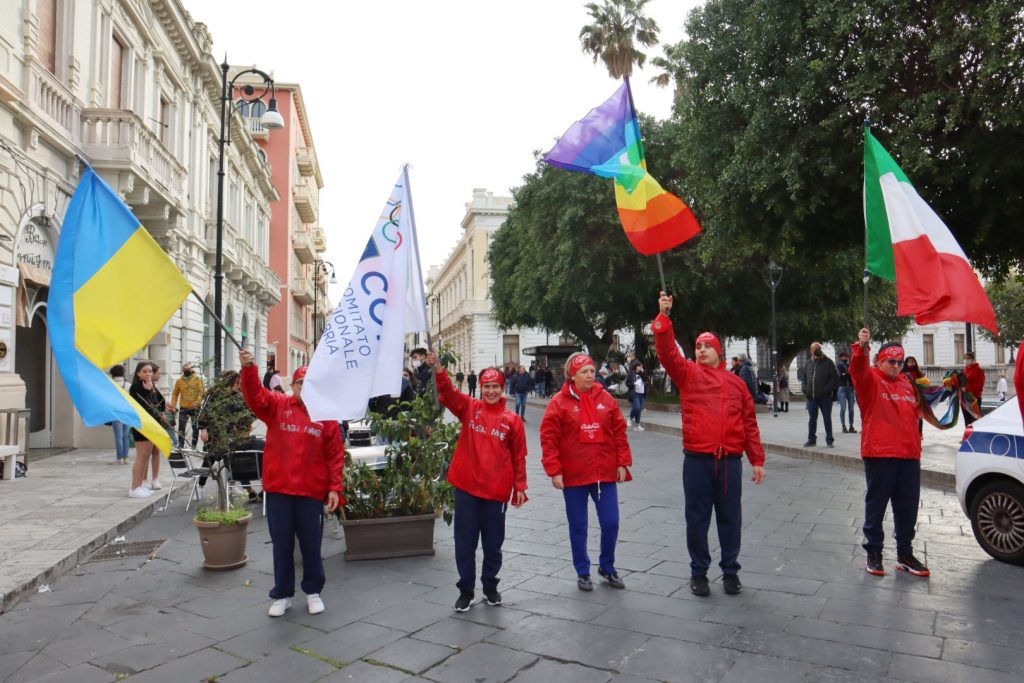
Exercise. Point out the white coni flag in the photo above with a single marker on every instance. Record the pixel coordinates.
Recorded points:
(362, 350)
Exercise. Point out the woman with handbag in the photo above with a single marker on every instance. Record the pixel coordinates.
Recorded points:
(145, 393)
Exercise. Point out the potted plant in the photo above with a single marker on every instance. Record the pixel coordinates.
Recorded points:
(390, 512)
(226, 422)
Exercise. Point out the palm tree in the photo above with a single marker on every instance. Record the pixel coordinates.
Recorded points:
(618, 27)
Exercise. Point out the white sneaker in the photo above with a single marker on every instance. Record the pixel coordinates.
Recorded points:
(314, 603)
(279, 607)
(156, 485)
(198, 493)
(640, 428)
(140, 493)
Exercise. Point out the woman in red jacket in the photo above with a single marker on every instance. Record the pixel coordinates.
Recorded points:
(719, 426)
(891, 450)
(302, 470)
(487, 470)
(586, 453)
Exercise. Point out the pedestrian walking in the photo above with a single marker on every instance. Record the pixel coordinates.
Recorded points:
(459, 379)
(846, 393)
(471, 383)
(122, 432)
(303, 465)
(186, 399)
(636, 382)
(1001, 387)
(540, 382)
(520, 385)
(891, 450)
(784, 390)
(145, 392)
(720, 425)
(586, 453)
(975, 382)
(488, 471)
(819, 386)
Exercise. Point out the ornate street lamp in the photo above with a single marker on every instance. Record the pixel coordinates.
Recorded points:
(271, 120)
(319, 267)
(774, 273)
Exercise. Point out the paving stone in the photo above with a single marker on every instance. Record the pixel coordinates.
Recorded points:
(263, 641)
(811, 651)
(86, 647)
(364, 672)
(352, 642)
(414, 656)
(784, 584)
(868, 636)
(39, 666)
(660, 625)
(546, 671)
(282, 665)
(985, 655)
(752, 667)
(142, 657)
(13, 661)
(877, 614)
(587, 644)
(455, 633)
(554, 606)
(82, 673)
(409, 616)
(662, 658)
(747, 615)
(481, 663)
(924, 670)
(198, 666)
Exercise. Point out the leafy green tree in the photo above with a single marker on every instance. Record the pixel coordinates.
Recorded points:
(618, 27)
(1007, 297)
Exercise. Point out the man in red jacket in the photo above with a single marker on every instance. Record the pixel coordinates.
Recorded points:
(975, 382)
(719, 425)
(487, 470)
(890, 445)
(302, 470)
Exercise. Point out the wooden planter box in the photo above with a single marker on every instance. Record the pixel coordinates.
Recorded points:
(378, 539)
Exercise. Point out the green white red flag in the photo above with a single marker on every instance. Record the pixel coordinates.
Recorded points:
(908, 242)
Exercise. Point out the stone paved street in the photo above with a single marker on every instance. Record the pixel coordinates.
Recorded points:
(808, 611)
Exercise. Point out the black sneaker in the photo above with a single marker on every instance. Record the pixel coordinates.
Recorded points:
(911, 565)
(612, 579)
(732, 584)
(845, 430)
(464, 602)
(830, 445)
(584, 583)
(493, 597)
(874, 563)
(808, 444)
(852, 430)
(699, 586)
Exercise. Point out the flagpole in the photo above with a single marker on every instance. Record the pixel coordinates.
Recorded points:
(632, 107)
(867, 273)
(419, 269)
(217, 320)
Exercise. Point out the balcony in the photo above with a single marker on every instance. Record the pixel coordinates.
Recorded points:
(302, 243)
(305, 202)
(319, 240)
(133, 159)
(306, 161)
(47, 95)
(302, 290)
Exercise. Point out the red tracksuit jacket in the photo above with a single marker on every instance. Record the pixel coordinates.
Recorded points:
(888, 411)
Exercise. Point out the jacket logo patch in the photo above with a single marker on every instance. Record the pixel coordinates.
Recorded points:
(600, 406)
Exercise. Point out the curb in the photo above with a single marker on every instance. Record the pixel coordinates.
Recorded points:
(945, 481)
(76, 557)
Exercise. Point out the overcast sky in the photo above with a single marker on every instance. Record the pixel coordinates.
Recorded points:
(463, 90)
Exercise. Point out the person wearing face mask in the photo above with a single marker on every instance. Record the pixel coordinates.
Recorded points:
(821, 380)
(891, 450)
(420, 369)
(488, 471)
(186, 399)
(720, 426)
(586, 453)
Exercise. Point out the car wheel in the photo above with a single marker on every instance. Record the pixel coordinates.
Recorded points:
(997, 517)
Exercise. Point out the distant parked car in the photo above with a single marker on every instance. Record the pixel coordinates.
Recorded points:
(990, 481)
(363, 445)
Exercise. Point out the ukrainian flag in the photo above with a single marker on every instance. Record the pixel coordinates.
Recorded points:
(113, 288)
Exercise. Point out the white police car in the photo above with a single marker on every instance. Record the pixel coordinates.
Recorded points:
(990, 481)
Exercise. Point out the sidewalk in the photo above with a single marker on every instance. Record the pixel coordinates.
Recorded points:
(67, 507)
(787, 434)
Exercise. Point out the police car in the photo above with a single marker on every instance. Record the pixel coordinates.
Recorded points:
(990, 481)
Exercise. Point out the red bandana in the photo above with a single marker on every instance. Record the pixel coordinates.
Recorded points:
(300, 374)
(578, 363)
(891, 353)
(491, 375)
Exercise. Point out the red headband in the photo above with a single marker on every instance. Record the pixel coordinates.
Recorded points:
(579, 362)
(490, 375)
(890, 353)
(299, 374)
(712, 341)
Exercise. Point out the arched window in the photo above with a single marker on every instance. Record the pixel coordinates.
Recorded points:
(243, 107)
(257, 109)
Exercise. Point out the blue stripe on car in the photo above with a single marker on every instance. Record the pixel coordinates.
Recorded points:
(988, 443)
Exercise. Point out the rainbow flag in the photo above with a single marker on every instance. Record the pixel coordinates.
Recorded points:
(607, 142)
(113, 289)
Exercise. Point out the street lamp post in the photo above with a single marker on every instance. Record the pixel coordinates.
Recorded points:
(774, 278)
(271, 120)
(319, 267)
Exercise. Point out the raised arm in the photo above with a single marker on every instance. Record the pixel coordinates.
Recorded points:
(452, 399)
(261, 400)
(675, 364)
(860, 366)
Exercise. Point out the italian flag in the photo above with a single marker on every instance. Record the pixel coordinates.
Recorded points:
(908, 242)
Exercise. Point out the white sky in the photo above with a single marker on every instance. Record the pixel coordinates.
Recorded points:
(463, 90)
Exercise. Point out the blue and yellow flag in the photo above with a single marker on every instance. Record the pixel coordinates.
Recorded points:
(113, 289)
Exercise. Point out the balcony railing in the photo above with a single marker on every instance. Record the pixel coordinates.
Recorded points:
(302, 290)
(306, 161)
(319, 239)
(305, 202)
(302, 243)
(49, 96)
(113, 137)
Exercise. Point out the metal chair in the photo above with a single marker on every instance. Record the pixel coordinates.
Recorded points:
(182, 462)
(246, 464)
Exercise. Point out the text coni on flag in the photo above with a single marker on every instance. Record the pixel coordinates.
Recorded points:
(362, 349)
(113, 289)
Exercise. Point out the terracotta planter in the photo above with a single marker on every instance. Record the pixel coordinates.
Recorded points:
(377, 539)
(223, 544)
